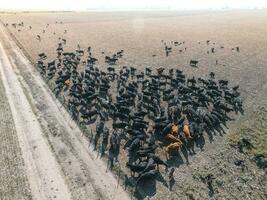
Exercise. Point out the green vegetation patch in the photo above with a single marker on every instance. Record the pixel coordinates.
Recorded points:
(251, 135)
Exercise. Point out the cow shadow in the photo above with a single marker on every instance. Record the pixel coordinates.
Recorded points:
(161, 179)
(184, 151)
(145, 188)
(200, 142)
(175, 159)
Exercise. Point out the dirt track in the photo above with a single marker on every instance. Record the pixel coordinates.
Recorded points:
(58, 162)
(13, 180)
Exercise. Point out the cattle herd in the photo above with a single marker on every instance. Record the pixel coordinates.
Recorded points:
(140, 113)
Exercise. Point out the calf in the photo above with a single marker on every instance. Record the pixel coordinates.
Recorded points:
(193, 63)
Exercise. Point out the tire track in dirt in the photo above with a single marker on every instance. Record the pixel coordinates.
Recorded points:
(85, 175)
(44, 174)
(13, 179)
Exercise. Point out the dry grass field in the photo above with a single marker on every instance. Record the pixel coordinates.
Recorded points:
(141, 35)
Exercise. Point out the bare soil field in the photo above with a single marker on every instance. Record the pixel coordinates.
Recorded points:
(140, 35)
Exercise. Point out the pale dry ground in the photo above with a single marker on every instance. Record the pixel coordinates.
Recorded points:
(13, 179)
(140, 35)
(58, 163)
(42, 170)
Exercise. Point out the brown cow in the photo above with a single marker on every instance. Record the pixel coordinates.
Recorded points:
(67, 82)
(172, 147)
(173, 139)
(186, 132)
(174, 129)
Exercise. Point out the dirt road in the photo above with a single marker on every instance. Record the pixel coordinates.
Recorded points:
(13, 180)
(58, 161)
(42, 169)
